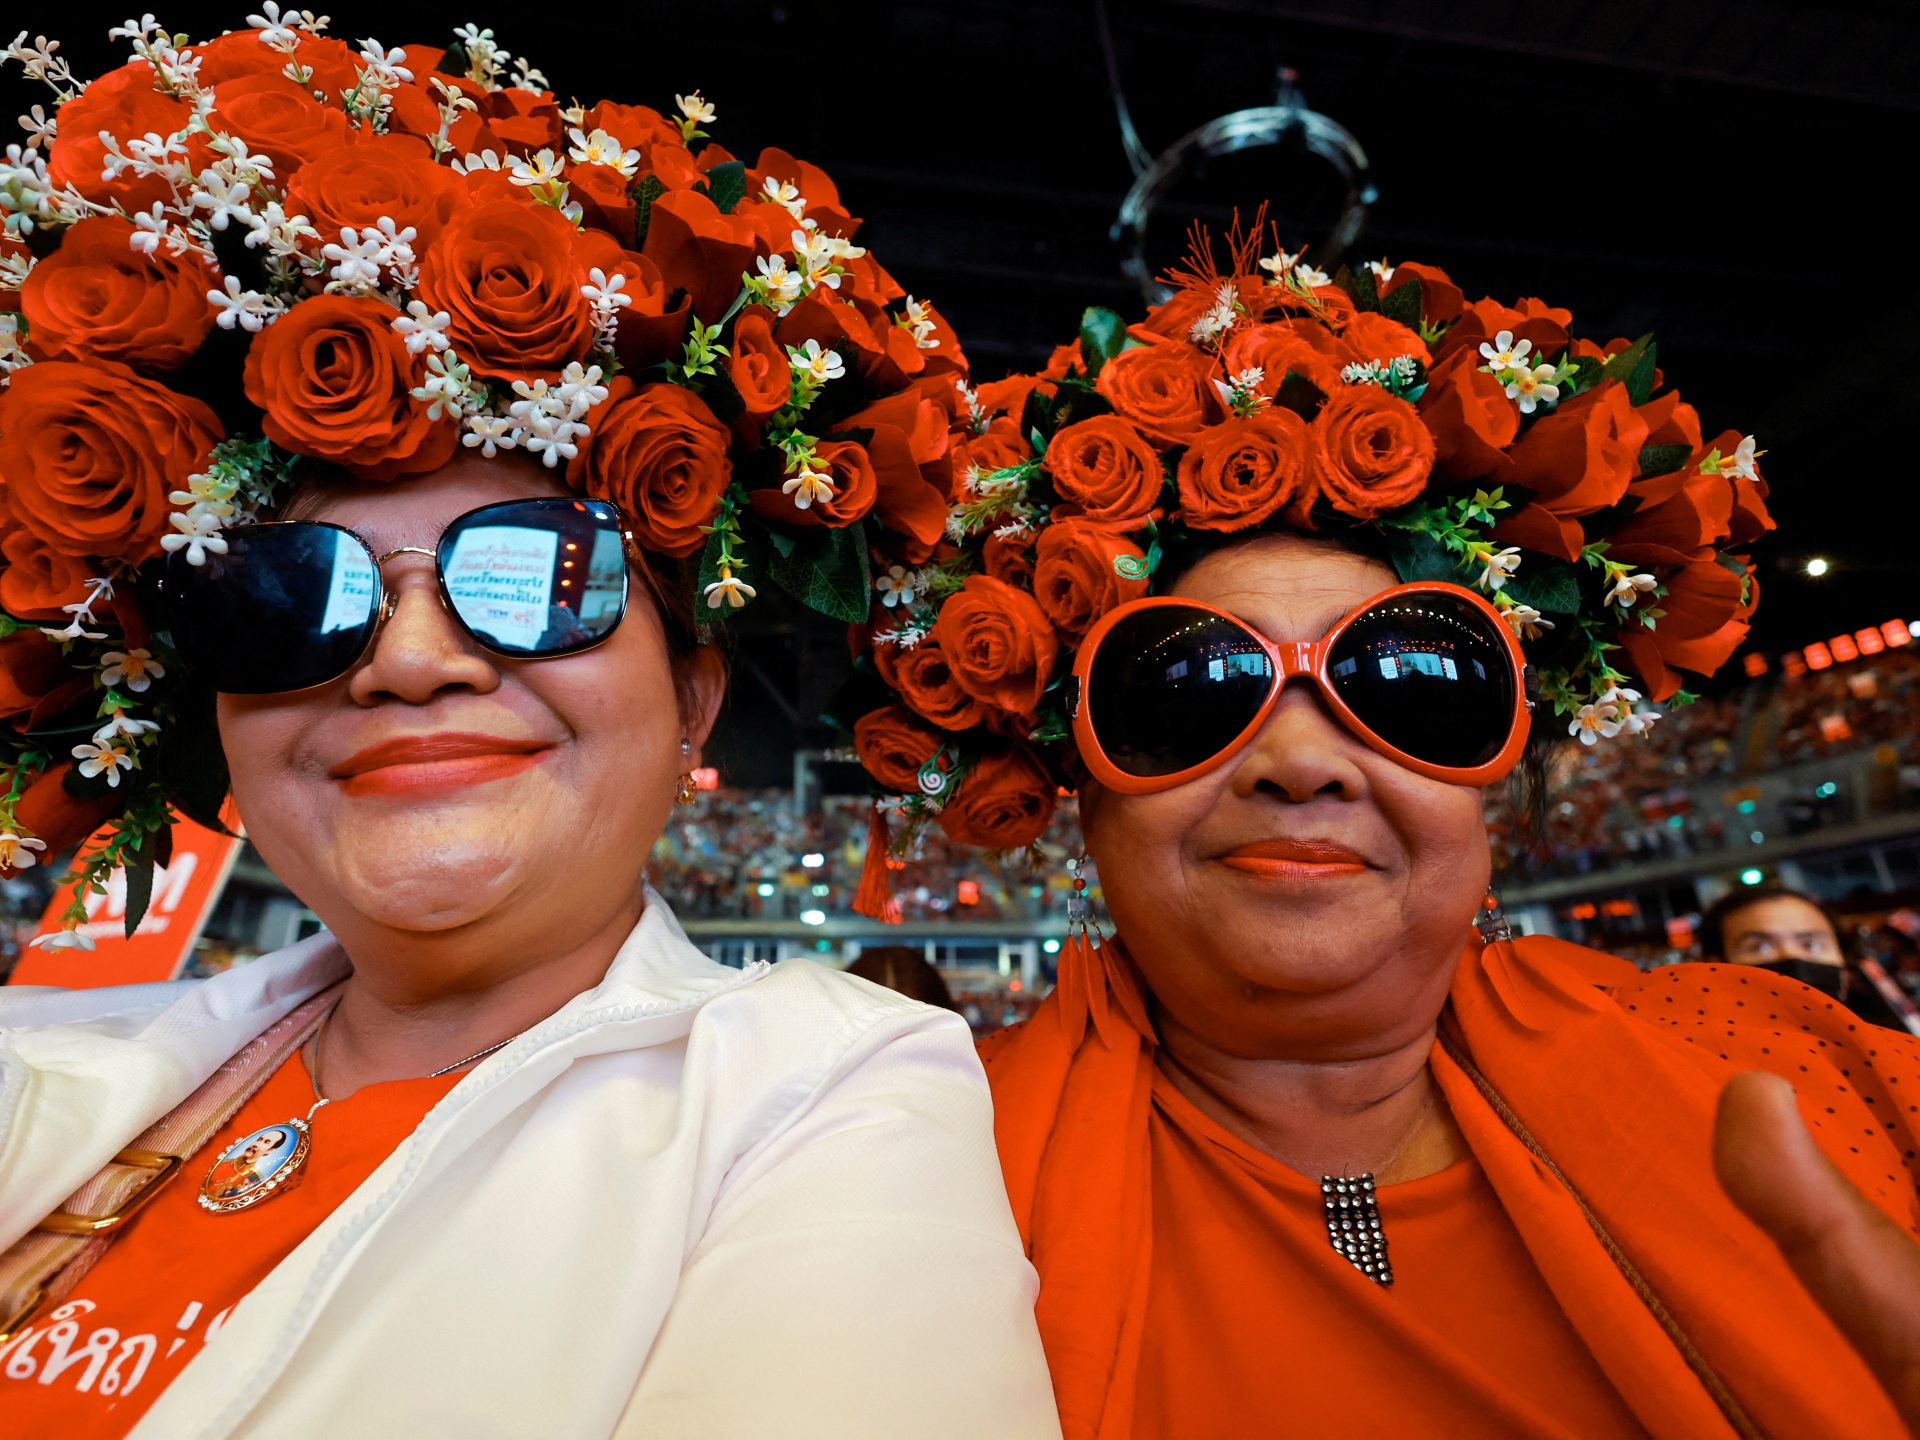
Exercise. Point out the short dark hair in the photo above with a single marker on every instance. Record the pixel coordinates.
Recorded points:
(903, 969)
(1712, 934)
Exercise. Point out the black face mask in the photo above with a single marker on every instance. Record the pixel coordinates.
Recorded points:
(1829, 980)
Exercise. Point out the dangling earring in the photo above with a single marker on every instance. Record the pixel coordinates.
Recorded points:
(1491, 922)
(689, 791)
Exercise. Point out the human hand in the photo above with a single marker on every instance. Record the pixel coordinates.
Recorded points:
(1857, 1264)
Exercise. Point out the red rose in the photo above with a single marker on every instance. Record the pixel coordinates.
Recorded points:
(1671, 421)
(1440, 299)
(758, 365)
(97, 298)
(908, 450)
(658, 453)
(1162, 388)
(1104, 466)
(522, 121)
(278, 118)
(605, 202)
(1371, 454)
(925, 681)
(337, 383)
(699, 250)
(1576, 461)
(1004, 801)
(894, 743)
(91, 452)
(1241, 472)
(37, 684)
(1469, 416)
(1530, 319)
(999, 447)
(1009, 559)
(386, 177)
(242, 53)
(1370, 336)
(849, 470)
(632, 125)
(38, 580)
(1678, 516)
(1702, 622)
(1304, 347)
(1076, 577)
(506, 274)
(998, 643)
(126, 106)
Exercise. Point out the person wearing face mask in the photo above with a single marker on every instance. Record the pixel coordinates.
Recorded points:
(1781, 930)
(500, 1152)
(1280, 579)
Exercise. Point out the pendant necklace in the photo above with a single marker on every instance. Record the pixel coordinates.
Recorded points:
(1353, 1216)
(269, 1162)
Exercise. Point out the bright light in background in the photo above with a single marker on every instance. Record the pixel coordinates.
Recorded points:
(1752, 877)
(764, 889)
(813, 917)
(813, 860)
(1816, 567)
(1052, 947)
(823, 890)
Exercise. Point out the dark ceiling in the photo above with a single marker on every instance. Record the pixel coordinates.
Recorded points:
(1720, 172)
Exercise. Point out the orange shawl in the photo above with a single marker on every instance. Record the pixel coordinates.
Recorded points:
(1613, 1077)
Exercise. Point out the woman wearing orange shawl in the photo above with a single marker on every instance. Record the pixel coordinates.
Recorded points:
(1297, 992)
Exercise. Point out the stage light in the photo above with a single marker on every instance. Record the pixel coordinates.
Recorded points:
(1752, 877)
(1843, 648)
(763, 890)
(1817, 567)
(813, 860)
(1052, 947)
(1818, 656)
(813, 917)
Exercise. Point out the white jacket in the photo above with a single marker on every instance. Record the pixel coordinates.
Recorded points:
(696, 1202)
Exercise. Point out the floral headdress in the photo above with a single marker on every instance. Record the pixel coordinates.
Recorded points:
(226, 261)
(1478, 441)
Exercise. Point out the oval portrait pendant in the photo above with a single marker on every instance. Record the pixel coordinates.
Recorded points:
(256, 1167)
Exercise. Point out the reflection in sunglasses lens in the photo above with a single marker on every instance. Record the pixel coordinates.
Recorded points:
(1429, 675)
(1171, 687)
(536, 577)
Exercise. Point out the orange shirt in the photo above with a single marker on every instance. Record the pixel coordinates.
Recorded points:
(1275, 1334)
(89, 1369)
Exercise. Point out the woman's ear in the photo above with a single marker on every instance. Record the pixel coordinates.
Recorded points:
(702, 685)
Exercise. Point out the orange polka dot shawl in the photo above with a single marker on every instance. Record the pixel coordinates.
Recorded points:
(1586, 1091)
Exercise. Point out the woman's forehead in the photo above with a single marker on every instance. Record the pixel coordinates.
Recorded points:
(1288, 588)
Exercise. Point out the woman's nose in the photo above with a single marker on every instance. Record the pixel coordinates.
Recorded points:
(421, 651)
(1301, 753)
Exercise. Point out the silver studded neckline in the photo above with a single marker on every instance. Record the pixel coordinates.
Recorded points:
(1353, 1225)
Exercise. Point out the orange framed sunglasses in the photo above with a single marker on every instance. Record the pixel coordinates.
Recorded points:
(1166, 690)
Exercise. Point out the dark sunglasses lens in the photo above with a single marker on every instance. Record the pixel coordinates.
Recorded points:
(1428, 674)
(536, 577)
(286, 607)
(1171, 687)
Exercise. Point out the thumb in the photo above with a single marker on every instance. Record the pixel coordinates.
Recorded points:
(1855, 1262)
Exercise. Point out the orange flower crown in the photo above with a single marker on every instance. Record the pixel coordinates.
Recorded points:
(1479, 441)
(224, 262)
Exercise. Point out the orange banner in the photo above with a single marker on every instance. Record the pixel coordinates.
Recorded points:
(184, 894)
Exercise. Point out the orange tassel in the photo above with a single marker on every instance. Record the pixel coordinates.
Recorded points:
(874, 898)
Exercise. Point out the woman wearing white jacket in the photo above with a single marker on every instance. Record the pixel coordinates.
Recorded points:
(500, 1154)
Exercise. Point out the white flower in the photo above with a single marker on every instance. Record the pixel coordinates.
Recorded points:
(785, 194)
(422, 328)
(696, 110)
(1741, 461)
(1218, 318)
(362, 256)
(542, 168)
(1628, 588)
(1310, 275)
(490, 434)
(604, 291)
(384, 67)
(1531, 387)
(248, 309)
(1594, 722)
(783, 287)
(600, 148)
(1524, 621)
(815, 254)
(1501, 566)
(282, 31)
(918, 322)
(1382, 271)
(728, 591)
(898, 586)
(816, 364)
(198, 535)
(136, 668)
(807, 487)
(120, 725)
(62, 940)
(110, 758)
(224, 199)
(1504, 352)
(16, 851)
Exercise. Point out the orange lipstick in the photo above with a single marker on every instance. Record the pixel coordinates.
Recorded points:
(428, 764)
(1294, 860)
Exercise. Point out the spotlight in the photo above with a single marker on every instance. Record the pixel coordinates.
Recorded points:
(1751, 877)
(1817, 567)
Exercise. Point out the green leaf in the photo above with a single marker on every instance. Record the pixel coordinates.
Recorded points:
(1402, 303)
(453, 61)
(749, 550)
(1548, 585)
(1360, 286)
(1419, 556)
(644, 194)
(1103, 334)
(139, 867)
(1662, 459)
(1586, 374)
(827, 571)
(1633, 367)
(1300, 395)
(189, 764)
(725, 185)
